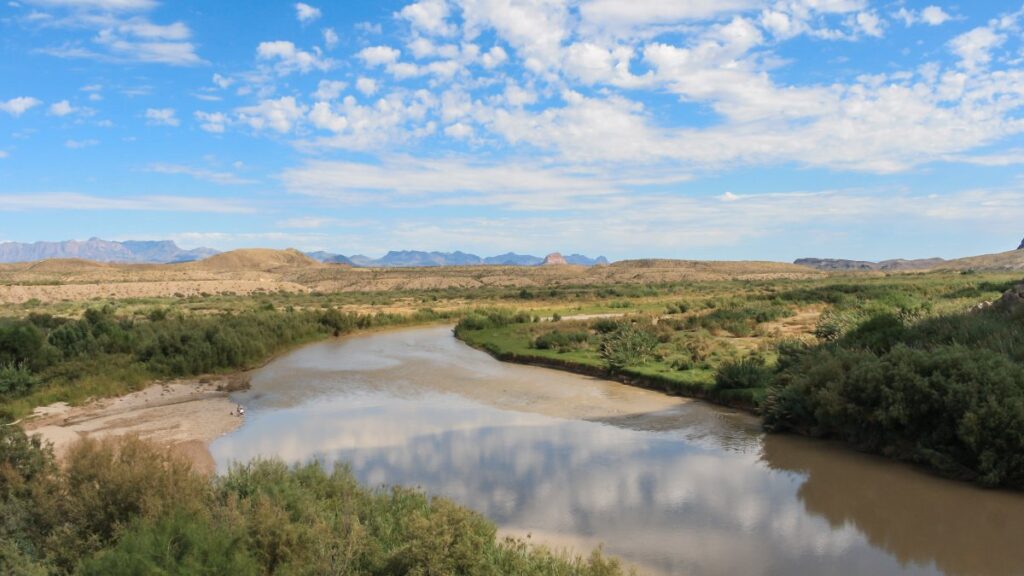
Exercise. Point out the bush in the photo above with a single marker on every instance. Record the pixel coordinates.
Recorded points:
(947, 392)
(749, 372)
(16, 380)
(561, 341)
(127, 507)
(628, 345)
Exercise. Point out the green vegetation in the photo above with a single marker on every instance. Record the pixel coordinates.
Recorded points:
(129, 508)
(725, 341)
(946, 392)
(45, 358)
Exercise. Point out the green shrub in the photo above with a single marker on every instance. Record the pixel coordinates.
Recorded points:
(629, 345)
(16, 380)
(749, 372)
(946, 392)
(561, 341)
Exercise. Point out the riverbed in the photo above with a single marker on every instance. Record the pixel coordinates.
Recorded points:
(671, 486)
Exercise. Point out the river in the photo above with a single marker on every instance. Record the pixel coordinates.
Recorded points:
(668, 485)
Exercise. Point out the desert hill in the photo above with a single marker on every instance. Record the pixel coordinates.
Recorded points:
(254, 259)
(252, 271)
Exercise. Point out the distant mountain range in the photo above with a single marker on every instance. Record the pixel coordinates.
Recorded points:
(415, 258)
(167, 252)
(132, 251)
(834, 264)
(1005, 260)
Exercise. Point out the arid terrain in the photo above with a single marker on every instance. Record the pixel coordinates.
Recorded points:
(251, 271)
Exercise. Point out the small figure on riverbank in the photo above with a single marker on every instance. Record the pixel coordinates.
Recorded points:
(239, 411)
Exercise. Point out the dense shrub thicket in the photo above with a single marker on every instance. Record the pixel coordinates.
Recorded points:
(127, 508)
(947, 392)
(43, 350)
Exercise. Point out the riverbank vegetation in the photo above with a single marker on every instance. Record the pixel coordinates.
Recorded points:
(46, 358)
(946, 392)
(126, 507)
(909, 366)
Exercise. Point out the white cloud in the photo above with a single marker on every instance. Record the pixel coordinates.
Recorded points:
(392, 119)
(631, 16)
(379, 55)
(306, 13)
(62, 108)
(290, 59)
(123, 32)
(428, 16)
(459, 131)
(213, 122)
(71, 201)
(494, 57)
(161, 117)
(930, 15)
(78, 144)
(4, 154)
(934, 16)
(106, 5)
(222, 82)
(367, 86)
(331, 38)
(975, 47)
(869, 23)
(20, 105)
(279, 115)
(329, 89)
(214, 176)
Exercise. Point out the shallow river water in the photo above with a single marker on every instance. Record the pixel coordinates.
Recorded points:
(669, 486)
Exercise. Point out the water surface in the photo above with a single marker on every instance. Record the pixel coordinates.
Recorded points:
(672, 487)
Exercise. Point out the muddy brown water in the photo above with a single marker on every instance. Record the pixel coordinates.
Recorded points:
(671, 487)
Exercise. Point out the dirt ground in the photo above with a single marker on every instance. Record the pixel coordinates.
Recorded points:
(184, 415)
(252, 271)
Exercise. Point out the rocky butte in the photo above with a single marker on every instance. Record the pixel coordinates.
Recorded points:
(554, 259)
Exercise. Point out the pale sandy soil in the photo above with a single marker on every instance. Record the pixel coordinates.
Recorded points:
(248, 271)
(183, 415)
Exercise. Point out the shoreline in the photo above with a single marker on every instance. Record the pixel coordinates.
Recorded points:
(183, 415)
(637, 380)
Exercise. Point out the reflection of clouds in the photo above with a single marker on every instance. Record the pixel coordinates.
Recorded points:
(679, 506)
(688, 490)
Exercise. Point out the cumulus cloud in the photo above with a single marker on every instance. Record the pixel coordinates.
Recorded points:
(162, 117)
(930, 15)
(306, 13)
(213, 122)
(19, 105)
(290, 59)
(279, 115)
(62, 108)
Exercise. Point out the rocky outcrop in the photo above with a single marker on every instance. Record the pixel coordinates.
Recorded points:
(554, 259)
(1021, 247)
(1012, 298)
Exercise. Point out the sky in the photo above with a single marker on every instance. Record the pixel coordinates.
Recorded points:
(708, 129)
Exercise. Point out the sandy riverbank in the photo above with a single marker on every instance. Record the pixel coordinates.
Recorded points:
(184, 415)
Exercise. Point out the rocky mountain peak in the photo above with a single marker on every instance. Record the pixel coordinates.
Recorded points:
(554, 259)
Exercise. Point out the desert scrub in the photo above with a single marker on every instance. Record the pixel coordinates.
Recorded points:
(126, 507)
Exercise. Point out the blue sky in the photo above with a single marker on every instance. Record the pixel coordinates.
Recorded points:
(724, 129)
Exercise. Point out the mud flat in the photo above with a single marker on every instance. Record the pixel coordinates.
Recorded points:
(184, 415)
